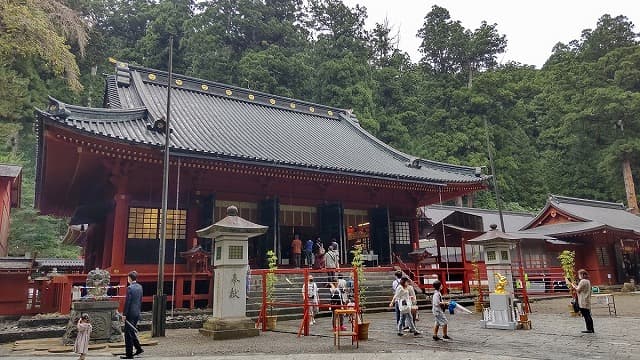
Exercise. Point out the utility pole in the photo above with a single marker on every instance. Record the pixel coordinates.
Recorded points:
(160, 299)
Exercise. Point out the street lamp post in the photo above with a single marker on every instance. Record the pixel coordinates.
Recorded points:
(496, 191)
(160, 299)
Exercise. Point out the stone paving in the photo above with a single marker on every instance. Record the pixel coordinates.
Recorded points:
(555, 335)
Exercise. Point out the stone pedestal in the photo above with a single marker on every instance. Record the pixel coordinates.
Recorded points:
(229, 328)
(500, 314)
(104, 318)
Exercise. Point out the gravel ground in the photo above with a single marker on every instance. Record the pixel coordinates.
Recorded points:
(555, 335)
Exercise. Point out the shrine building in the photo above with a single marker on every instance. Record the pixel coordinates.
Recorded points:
(297, 167)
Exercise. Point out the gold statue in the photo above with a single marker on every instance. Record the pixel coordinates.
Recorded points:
(501, 283)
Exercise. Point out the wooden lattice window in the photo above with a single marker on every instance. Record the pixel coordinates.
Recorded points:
(144, 223)
(401, 232)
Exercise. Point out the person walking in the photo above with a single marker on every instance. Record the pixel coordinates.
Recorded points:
(394, 287)
(437, 307)
(81, 345)
(296, 250)
(403, 298)
(131, 315)
(312, 295)
(583, 288)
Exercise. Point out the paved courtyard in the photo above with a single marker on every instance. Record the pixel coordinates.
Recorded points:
(555, 335)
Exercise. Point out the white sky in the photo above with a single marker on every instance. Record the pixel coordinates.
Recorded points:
(532, 27)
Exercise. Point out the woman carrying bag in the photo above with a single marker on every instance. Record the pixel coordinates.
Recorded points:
(403, 298)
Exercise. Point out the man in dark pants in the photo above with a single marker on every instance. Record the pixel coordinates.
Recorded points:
(131, 315)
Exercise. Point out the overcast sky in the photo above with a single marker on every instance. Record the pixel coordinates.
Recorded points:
(532, 27)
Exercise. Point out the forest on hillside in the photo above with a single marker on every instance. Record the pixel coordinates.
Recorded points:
(566, 128)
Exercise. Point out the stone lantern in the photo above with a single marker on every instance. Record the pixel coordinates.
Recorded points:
(497, 257)
(231, 263)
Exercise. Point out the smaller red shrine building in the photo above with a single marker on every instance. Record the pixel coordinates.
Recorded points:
(605, 234)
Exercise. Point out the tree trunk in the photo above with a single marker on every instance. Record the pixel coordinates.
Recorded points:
(629, 187)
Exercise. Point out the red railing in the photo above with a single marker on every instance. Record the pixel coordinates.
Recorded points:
(291, 284)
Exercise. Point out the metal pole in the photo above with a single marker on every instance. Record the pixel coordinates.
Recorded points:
(496, 190)
(160, 299)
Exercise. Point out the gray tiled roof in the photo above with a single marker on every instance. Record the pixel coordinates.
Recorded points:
(592, 213)
(11, 171)
(513, 221)
(568, 228)
(224, 122)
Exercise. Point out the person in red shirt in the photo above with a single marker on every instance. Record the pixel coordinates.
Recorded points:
(296, 250)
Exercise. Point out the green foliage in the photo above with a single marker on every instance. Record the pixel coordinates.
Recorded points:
(272, 278)
(358, 265)
(567, 260)
(37, 234)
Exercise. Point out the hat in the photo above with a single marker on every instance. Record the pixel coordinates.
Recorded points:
(84, 316)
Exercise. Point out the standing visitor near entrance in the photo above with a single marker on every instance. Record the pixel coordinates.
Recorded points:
(403, 298)
(296, 250)
(437, 307)
(584, 298)
(332, 259)
(308, 253)
(81, 345)
(319, 253)
(312, 295)
(131, 315)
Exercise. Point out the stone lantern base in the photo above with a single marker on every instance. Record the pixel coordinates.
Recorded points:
(104, 318)
(230, 328)
(500, 313)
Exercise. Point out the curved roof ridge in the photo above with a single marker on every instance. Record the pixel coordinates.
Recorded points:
(411, 161)
(61, 109)
(586, 202)
(379, 143)
(224, 87)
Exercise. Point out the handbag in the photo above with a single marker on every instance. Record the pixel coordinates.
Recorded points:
(405, 306)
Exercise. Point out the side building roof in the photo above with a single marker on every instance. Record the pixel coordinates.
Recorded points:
(513, 221)
(218, 121)
(589, 213)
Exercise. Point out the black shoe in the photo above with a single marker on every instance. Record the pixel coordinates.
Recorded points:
(126, 357)
(446, 337)
(417, 333)
(588, 331)
(435, 338)
(138, 352)
(400, 334)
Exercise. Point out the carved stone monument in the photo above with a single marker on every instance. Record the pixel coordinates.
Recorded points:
(103, 313)
(230, 253)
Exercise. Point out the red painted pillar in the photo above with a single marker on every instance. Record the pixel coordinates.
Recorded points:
(119, 239)
(179, 291)
(415, 233)
(108, 242)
